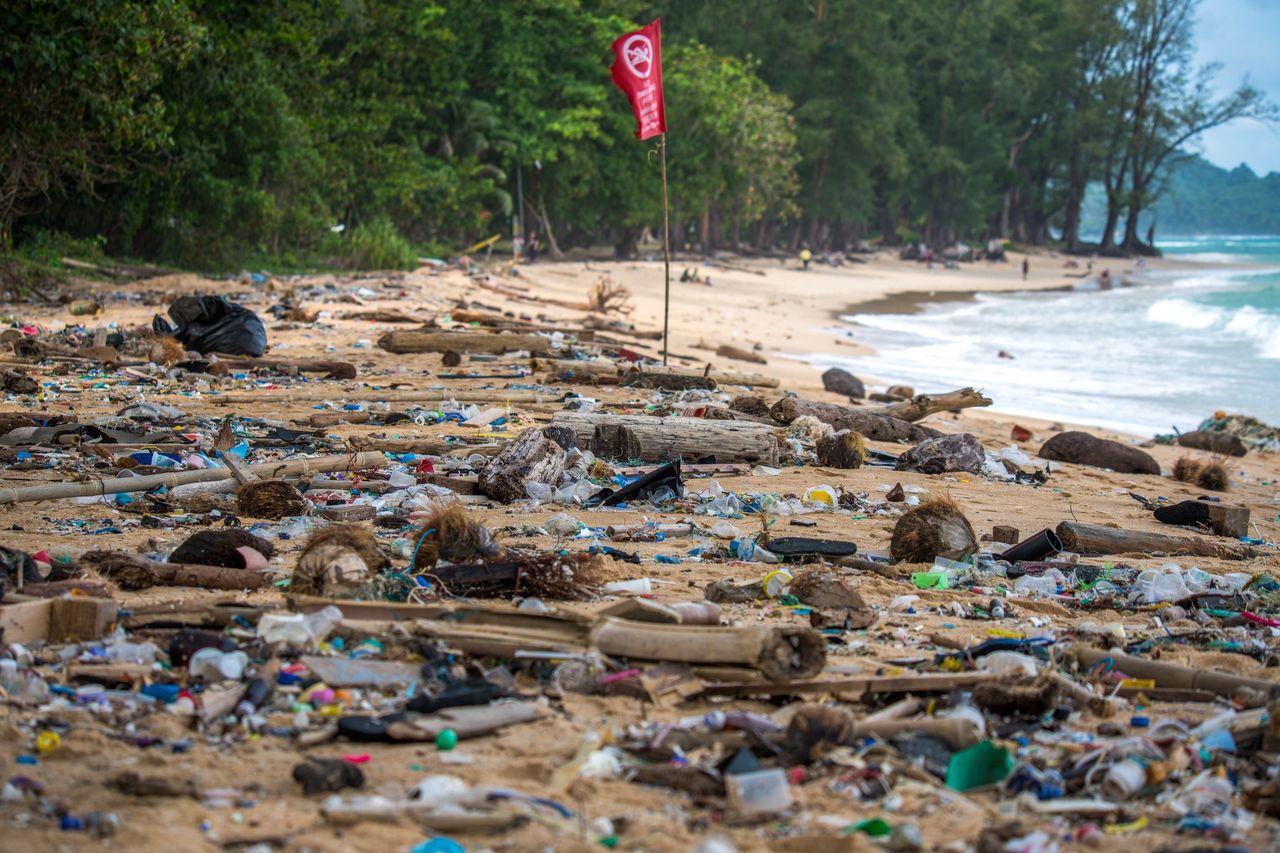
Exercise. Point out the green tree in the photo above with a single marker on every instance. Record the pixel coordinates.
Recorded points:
(80, 104)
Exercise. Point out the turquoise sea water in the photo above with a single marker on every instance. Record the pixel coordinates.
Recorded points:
(1166, 349)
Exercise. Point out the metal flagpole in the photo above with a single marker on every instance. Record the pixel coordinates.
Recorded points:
(666, 257)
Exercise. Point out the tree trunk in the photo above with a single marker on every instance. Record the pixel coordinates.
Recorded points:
(546, 229)
(662, 439)
(1094, 539)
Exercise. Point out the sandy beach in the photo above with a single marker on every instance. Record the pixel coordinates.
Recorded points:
(783, 310)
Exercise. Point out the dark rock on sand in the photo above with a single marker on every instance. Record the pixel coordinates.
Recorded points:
(1224, 443)
(939, 455)
(839, 381)
(1085, 449)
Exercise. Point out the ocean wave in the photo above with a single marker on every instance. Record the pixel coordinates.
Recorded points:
(1247, 322)
(1214, 257)
(1183, 314)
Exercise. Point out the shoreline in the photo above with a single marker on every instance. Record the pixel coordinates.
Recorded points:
(794, 318)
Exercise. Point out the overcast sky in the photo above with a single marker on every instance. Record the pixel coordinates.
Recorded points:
(1242, 35)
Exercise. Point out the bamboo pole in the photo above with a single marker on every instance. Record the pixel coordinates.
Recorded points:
(116, 485)
(371, 395)
(666, 257)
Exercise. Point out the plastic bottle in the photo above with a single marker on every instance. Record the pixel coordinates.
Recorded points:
(212, 665)
(132, 652)
(1031, 585)
(725, 530)
(746, 550)
(637, 586)
(344, 811)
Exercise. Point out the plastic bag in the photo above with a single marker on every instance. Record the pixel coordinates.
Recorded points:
(212, 324)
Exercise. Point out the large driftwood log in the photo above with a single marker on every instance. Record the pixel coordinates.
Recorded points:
(661, 439)
(131, 571)
(876, 427)
(922, 405)
(1094, 539)
(531, 458)
(778, 651)
(430, 340)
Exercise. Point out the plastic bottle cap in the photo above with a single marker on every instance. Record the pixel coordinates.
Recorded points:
(447, 739)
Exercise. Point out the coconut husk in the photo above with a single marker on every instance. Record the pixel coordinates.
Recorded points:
(447, 534)
(1211, 475)
(1031, 699)
(936, 528)
(339, 560)
(127, 571)
(814, 730)
(273, 499)
(165, 350)
(219, 548)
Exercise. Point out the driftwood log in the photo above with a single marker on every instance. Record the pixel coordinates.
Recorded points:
(661, 439)
(1094, 539)
(531, 458)
(331, 369)
(876, 427)
(922, 405)
(739, 354)
(131, 571)
(430, 340)
(592, 370)
(665, 381)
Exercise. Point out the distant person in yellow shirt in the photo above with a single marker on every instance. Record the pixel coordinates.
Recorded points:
(805, 257)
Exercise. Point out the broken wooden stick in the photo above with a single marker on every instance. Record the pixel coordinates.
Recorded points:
(1094, 539)
(922, 405)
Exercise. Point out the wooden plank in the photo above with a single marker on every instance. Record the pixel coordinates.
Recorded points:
(879, 684)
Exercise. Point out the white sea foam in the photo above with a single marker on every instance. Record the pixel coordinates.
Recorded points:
(1140, 359)
(1183, 314)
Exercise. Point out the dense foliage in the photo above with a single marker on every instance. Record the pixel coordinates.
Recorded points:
(1201, 198)
(363, 131)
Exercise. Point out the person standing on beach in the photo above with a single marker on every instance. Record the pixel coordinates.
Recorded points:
(1026, 268)
(805, 257)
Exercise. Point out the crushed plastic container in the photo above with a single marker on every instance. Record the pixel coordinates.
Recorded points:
(762, 792)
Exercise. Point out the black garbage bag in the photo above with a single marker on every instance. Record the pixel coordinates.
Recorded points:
(212, 324)
(666, 477)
